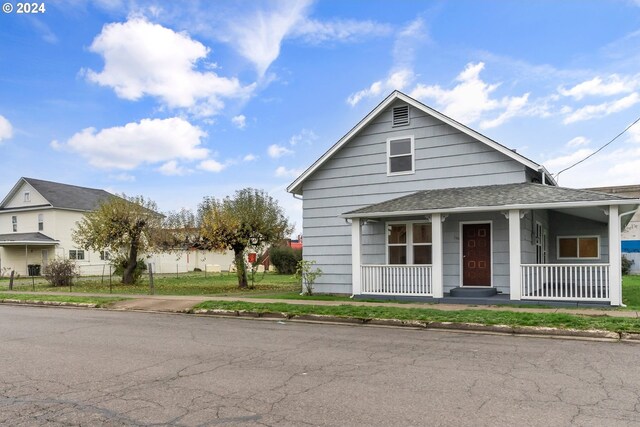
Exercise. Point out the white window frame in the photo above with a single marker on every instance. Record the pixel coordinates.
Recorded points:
(597, 237)
(77, 252)
(40, 222)
(105, 255)
(413, 155)
(409, 244)
(27, 196)
(14, 223)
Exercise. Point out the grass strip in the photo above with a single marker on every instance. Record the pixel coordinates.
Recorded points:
(98, 301)
(513, 319)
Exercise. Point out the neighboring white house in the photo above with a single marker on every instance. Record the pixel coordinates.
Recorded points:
(37, 219)
(411, 203)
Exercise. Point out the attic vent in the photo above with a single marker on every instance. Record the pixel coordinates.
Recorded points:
(401, 115)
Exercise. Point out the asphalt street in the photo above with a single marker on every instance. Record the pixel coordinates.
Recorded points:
(91, 367)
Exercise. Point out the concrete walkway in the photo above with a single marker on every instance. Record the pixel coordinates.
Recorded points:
(179, 303)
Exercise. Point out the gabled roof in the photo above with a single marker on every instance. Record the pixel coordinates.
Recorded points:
(489, 197)
(63, 196)
(295, 186)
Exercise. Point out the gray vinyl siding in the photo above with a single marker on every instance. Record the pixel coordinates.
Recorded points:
(568, 225)
(356, 176)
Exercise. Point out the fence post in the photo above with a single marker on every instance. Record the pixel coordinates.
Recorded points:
(33, 283)
(176, 271)
(11, 280)
(151, 289)
(110, 285)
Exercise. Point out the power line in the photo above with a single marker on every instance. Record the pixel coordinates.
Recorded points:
(599, 149)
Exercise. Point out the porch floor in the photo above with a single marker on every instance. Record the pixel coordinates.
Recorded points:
(499, 299)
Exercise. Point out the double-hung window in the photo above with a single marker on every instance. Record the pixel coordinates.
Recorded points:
(400, 156)
(14, 223)
(40, 222)
(77, 254)
(409, 243)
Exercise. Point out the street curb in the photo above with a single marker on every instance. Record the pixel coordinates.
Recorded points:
(539, 331)
(451, 326)
(49, 303)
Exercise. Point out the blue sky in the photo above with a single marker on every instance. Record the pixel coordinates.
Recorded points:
(180, 100)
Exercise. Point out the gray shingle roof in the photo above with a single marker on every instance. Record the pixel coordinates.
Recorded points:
(69, 196)
(487, 196)
(26, 237)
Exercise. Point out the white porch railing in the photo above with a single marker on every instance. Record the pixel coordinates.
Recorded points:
(408, 280)
(574, 282)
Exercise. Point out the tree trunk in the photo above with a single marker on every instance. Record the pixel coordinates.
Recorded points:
(132, 263)
(241, 270)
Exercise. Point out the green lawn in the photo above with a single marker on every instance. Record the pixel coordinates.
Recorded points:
(631, 291)
(193, 283)
(98, 301)
(554, 320)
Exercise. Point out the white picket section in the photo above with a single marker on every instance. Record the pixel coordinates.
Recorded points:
(566, 282)
(408, 280)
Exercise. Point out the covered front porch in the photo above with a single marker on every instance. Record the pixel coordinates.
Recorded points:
(537, 252)
(18, 251)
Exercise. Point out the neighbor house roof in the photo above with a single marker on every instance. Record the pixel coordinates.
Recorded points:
(296, 186)
(489, 197)
(25, 238)
(63, 196)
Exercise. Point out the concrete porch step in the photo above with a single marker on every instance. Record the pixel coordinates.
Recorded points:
(467, 292)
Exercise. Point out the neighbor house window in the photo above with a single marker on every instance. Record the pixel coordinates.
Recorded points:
(579, 247)
(400, 158)
(409, 243)
(105, 256)
(77, 254)
(14, 223)
(27, 196)
(40, 222)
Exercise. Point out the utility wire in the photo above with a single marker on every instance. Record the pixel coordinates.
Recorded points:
(599, 149)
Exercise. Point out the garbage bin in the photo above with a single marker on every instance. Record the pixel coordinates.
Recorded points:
(34, 269)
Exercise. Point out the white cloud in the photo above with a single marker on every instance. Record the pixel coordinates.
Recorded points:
(305, 136)
(275, 151)
(315, 32)
(600, 110)
(142, 58)
(239, 121)
(212, 166)
(578, 141)
(397, 80)
(597, 86)
(250, 158)
(281, 171)
(6, 130)
(470, 100)
(257, 36)
(558, 163)
(171, 168)
(147, 142)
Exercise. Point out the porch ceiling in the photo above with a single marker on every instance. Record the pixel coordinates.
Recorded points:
(493, 198)
(31, 239)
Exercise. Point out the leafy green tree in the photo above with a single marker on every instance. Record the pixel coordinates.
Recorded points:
(251, 218)
(126, 226)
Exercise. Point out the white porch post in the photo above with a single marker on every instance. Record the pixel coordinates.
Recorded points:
(514, 254)
(436, 261)
(615, 257)
(355, 257)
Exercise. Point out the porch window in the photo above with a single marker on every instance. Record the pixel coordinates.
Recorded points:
(14, 223)
(578, 247)
(400, 158)
(40, 222)
(77, 254)
(409, 243)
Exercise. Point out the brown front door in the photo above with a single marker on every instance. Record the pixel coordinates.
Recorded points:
(476, 255)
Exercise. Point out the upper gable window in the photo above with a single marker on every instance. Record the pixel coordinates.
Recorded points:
(400, 156)
(400, 115)
(27, 196)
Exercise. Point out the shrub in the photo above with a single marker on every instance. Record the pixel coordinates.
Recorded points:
(285, 259)
(120, 262)
(60, 272)
(626, 265)
(307, 275)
